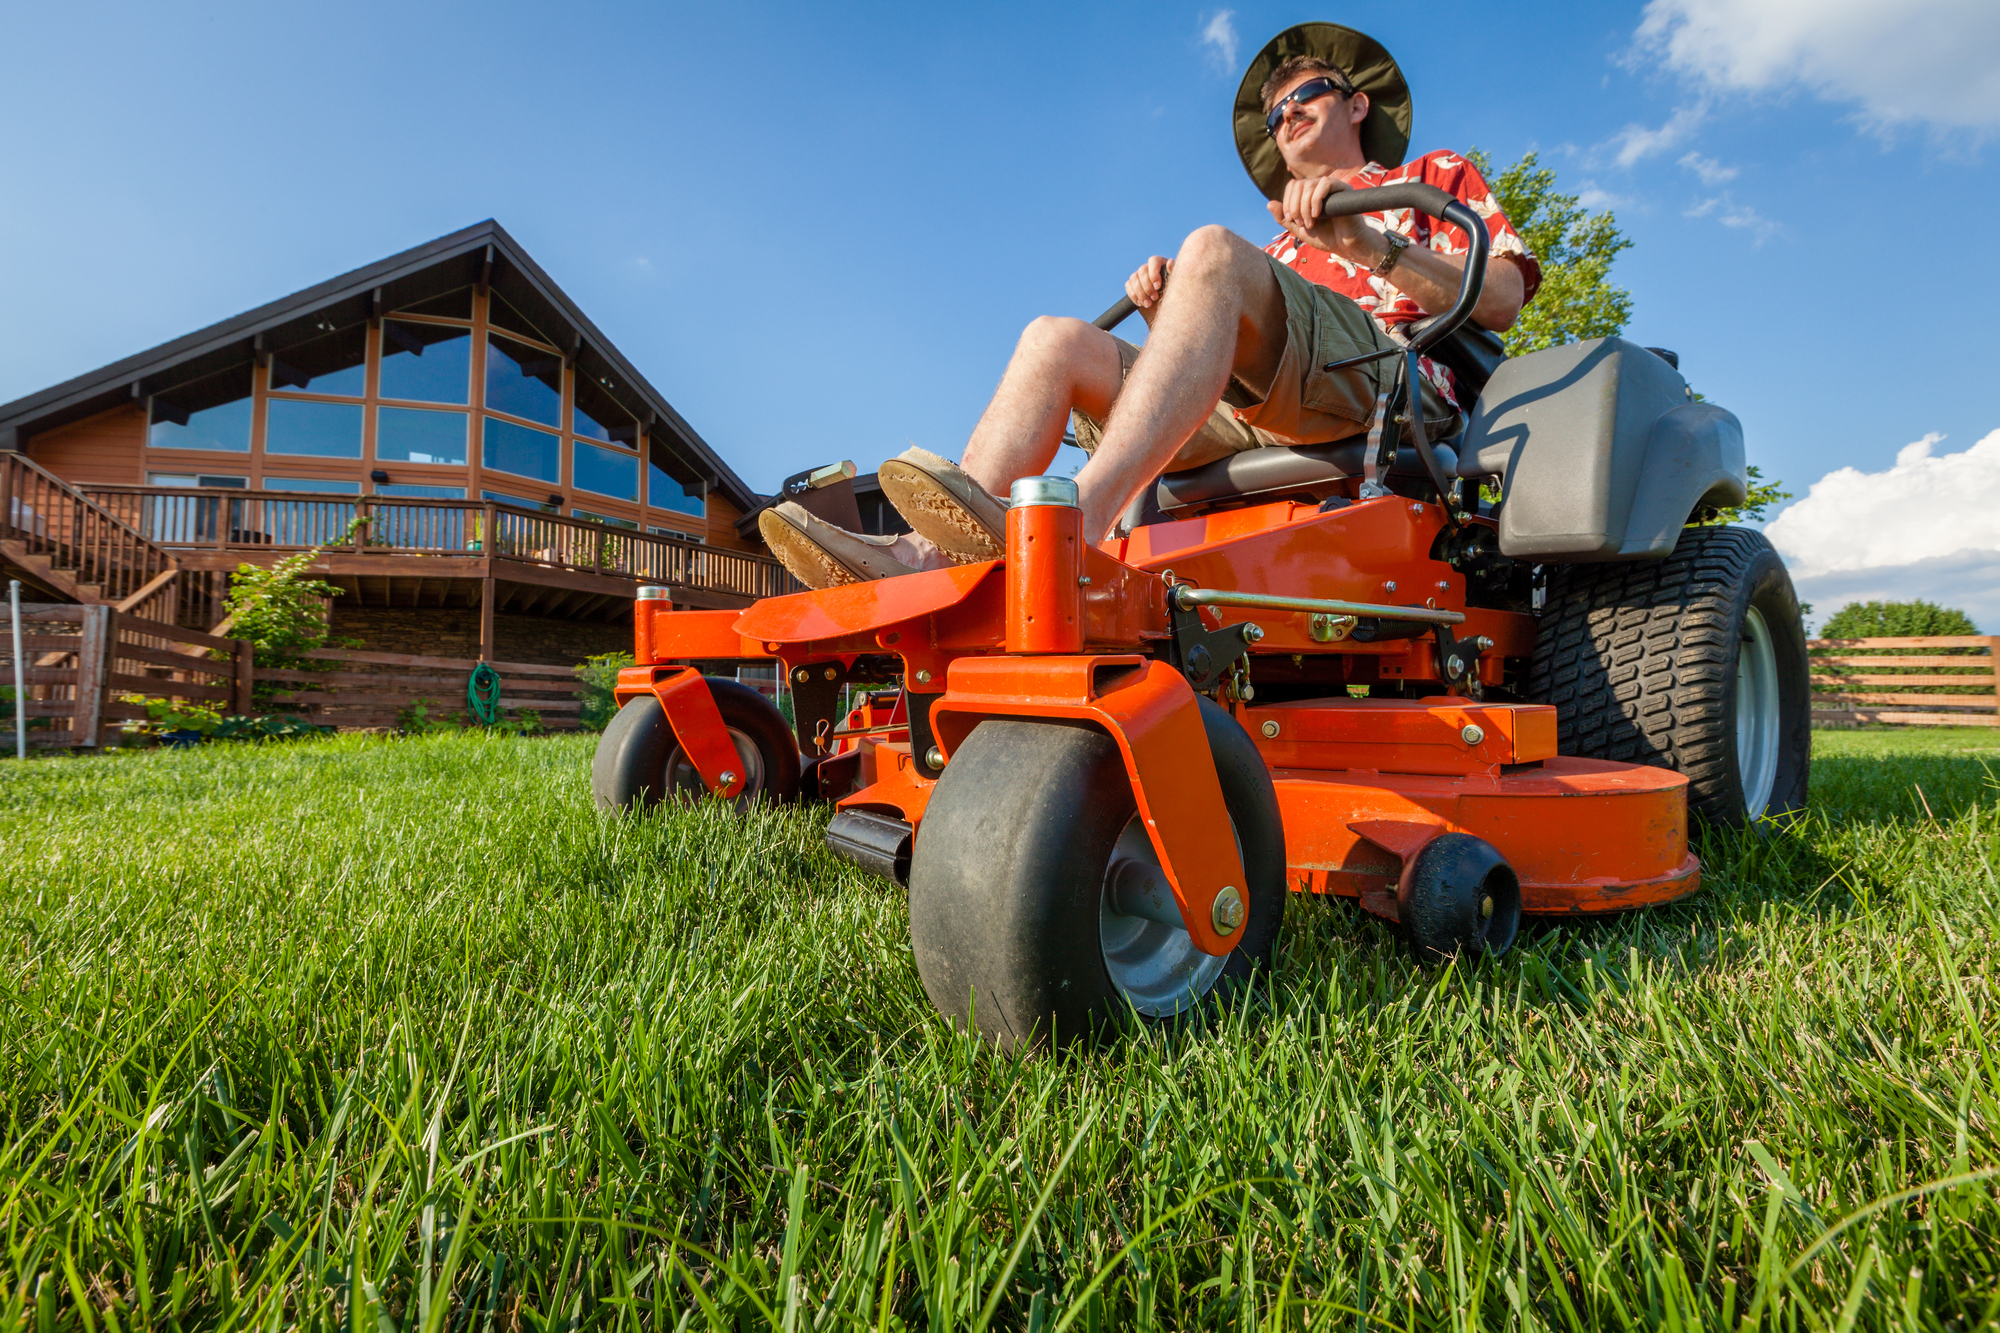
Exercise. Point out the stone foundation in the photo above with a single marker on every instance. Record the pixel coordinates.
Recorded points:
(454, 632)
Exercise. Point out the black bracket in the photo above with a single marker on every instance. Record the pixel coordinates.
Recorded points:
(1201, 654)
(1458, 661)
(815, 691)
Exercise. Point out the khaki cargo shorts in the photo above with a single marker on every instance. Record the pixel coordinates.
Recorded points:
(1306, 403)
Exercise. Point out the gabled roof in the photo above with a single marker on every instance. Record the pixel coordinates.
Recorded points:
(481, 252)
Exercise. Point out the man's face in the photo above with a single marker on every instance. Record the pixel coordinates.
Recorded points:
(1315, 133)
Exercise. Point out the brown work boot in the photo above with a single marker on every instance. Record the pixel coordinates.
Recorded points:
(946, 505)
(821, 555)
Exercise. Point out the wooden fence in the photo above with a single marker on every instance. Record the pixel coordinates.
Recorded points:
(1934, 681)
(374, 690)
(79, 662)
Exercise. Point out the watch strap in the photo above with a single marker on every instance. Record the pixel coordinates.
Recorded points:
(1397, 244)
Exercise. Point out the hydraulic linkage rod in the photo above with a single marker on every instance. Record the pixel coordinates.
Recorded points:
(1187, 598)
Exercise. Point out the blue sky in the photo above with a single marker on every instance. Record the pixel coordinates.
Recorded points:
(819, 230)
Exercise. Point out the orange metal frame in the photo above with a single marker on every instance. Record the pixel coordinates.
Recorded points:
(1063, 629)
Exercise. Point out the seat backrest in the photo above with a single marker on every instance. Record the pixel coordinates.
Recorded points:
(1601, 452)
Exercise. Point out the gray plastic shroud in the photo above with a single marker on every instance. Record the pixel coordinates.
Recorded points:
(1601, 452)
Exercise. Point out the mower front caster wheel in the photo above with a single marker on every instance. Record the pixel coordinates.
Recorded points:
(1038, 909)
(1459, 896)
(639, 763)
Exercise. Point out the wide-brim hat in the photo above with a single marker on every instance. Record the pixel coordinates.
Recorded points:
(1385, 134)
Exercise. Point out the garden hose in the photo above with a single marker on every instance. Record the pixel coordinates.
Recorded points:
(482, 695)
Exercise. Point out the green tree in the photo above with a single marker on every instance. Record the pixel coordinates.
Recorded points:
(1763, 494)
(281, 610)
(1896, 620)
(1575, 246)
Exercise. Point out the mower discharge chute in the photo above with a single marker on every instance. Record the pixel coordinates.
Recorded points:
(1099, 769)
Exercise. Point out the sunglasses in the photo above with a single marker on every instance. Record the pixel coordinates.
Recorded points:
(1310, 90)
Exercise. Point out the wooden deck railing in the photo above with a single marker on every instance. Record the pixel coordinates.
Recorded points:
(1933, 681)
(252, 521)
(74, 537)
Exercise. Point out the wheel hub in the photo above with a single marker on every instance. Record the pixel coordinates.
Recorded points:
(1147, 950)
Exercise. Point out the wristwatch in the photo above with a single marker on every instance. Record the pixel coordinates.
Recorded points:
(1397, 244)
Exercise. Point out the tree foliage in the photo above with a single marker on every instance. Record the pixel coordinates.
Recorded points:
(280, 610)
(1762, 495)
(1896, 620)
(1576, 248)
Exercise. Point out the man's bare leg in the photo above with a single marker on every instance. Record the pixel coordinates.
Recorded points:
(1223, 313)
(1059, 364)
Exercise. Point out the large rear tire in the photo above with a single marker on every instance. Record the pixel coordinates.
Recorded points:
(1028, 850)
(638, 762)
(1695, 663)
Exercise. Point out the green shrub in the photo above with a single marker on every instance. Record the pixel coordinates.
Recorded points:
(1896, 620)
(599, 673)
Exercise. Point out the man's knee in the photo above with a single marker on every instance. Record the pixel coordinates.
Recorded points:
(1214, 248)
(1056, 338)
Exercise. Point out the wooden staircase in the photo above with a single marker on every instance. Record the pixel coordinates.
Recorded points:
(72, 549)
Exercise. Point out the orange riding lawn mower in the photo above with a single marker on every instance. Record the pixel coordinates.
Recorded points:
(1455, 680)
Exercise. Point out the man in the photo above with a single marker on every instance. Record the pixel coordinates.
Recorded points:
(1239, 338)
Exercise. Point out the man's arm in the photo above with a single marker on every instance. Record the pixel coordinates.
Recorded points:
(1425, 276)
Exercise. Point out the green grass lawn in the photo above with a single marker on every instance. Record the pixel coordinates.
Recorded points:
(402, 1035)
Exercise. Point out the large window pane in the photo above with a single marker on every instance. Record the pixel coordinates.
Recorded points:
(211, 413)
(524, 452)
(412, 435)
(316, 430)
(225, 482)
(421, 492)
(596, 415)
(501, 497)
(336, 363)
(504, 316)
(610, 472)
(606, 519)
(452, 305)
(523, 381)
(663, 492)
(316, 485)
(426, 363)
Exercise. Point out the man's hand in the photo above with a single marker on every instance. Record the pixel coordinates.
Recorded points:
(1299, 213)
(1145, 287)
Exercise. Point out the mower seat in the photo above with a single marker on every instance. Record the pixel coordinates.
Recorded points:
(1309, 471)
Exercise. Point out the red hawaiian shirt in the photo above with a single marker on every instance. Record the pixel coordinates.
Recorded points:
(1380, 297)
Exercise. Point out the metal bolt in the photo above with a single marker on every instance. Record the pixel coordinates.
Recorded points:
(1485, 644)
(1083, 581)
(802, 675)
(1330, 629)
(727, 777)
(831, 673)
(1444, 585)
(1253, 633)
(1454, 668)
(934, 758)
(1389, 586)
(1472, 733)
(1416, 508)
(923, 678)
(1228, 911)
(1270, 730)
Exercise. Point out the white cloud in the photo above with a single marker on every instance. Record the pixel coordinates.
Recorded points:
(1724, 209)
(1712, 172)
(1927, 527)
(1934, 62)
(1221, 34)
(1635, 143)
(1591, 197)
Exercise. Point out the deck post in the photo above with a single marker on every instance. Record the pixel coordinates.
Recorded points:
(246, 667)
(486, 590)
(93, 667)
